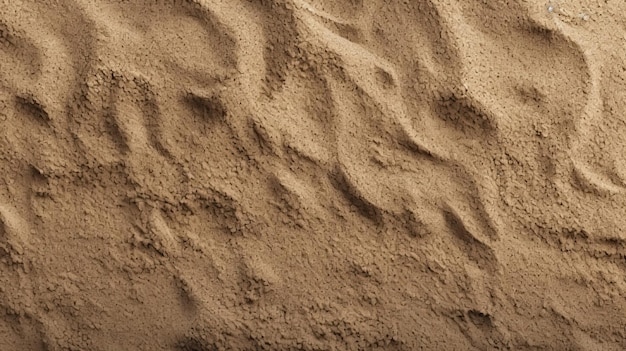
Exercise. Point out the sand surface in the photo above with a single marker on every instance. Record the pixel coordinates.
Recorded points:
(312, 175)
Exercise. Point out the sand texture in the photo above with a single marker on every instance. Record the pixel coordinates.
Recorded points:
(312, 175)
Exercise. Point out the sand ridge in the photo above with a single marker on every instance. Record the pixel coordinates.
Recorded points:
(312, 175)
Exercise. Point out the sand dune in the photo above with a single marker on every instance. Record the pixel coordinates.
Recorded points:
(312, 175)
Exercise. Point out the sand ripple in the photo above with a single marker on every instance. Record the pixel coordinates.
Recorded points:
(312, 175)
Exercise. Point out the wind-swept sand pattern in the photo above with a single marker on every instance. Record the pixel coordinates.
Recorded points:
(312, 175)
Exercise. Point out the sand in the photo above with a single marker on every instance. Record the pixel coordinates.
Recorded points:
(312, 175)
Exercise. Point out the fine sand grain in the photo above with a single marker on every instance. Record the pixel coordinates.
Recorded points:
(312, 175)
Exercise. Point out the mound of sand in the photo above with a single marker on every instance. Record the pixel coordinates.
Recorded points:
(312, 175)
